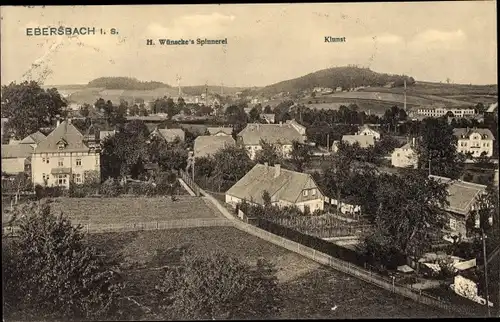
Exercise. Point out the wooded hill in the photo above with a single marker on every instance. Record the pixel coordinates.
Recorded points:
(345, 77)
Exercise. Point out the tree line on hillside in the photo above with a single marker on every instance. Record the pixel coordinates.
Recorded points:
(126, 83)
(344, 77)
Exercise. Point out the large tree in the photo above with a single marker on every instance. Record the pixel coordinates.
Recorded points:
(215, 286)
(49, 272)
(300, 157)
(125, 153)
(438, 149)
(232, 163)
(410, 210)
(29, 107)
(269, 153)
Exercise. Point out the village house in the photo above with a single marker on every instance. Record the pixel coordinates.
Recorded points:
(169, 135)
(405, 156)
(285, 187)
(218, 131)
(462, 198)
(366, 130)
(280, 135)
(206, 145)
(364, 141)
(65, 155)
(16, 156)
(474, 141)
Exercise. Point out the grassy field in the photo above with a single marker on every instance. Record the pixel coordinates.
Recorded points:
(132, 209)
(310, 290)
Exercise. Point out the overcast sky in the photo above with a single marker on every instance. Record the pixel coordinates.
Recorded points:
(266, 43)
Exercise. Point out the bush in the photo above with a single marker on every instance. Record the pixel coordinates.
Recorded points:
(166, 183)
(110, 188)
(141, 189)
(48, 192)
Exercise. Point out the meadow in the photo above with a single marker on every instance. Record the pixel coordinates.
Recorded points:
(132, 209)
(309, 289)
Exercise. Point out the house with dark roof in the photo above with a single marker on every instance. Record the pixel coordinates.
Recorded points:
(220, 130)
(285, 187)
(462, 198)
(169, 135)
(475, 141)
(207, 145)
(280, 135)
(66, 155)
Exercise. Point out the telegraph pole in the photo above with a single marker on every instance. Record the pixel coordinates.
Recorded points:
(405, 94)
(486, 272)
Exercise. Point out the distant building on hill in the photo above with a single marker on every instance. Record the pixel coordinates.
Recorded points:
(443, 111)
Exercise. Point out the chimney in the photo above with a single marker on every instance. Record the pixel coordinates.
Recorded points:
(58, 122)
(413, 143)
(277, 170)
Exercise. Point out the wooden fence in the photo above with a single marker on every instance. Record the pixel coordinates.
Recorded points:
(340, 265)
(325, 226)
(140, 226)
(189, 181)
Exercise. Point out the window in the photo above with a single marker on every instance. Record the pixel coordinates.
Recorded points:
(45, 177)
(60, 162)
(78, 162)
(453, 224)
(77, 177)
(45, 160)
(397, 155)
(61, 179)
(313, 192)
(304, 193)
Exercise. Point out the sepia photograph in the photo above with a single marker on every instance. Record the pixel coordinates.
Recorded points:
(250, 161)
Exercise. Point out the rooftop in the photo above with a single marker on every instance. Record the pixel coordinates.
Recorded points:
(253, 133)
(364, 141)
(460, 132)
(66, 133)
(16, 151)
(287, 186)
(461, 194)
(206, 145)
(34, 138)
(215, 130)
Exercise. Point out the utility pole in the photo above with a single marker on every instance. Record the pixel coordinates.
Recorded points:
(405, 94)
(206, 93)
(179, 84)
(486, 273)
